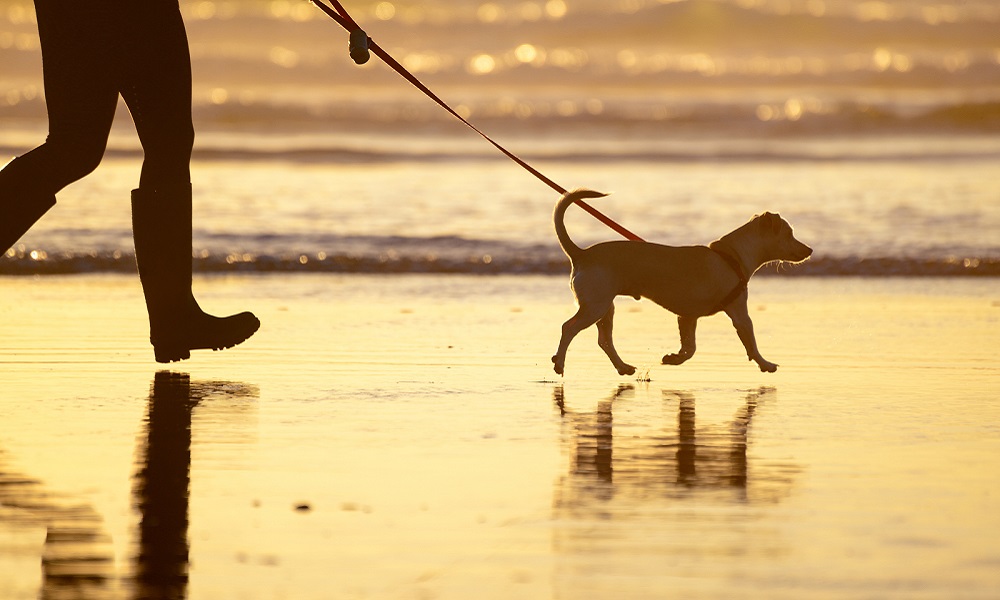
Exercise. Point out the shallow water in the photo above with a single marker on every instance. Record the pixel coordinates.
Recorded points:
(862, 217)
(388, 437)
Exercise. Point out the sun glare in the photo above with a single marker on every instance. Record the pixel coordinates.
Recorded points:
(482, 64)
(385, 11)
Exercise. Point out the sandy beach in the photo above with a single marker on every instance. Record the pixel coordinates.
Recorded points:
(395, 430)
(405, 437)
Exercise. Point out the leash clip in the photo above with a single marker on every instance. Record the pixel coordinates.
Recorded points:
(358, 46)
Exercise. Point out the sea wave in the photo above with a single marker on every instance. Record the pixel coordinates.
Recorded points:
(734, 133)
(785, 114)
(40, 263)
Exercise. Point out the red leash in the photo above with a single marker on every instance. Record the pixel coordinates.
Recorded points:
(339, 14)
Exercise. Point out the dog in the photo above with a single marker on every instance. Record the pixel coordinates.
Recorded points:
(689, 281)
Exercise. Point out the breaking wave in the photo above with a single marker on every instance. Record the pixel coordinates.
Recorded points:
(483, 262)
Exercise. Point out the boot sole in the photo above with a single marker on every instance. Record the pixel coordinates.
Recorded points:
(175, 354)
(178, 354)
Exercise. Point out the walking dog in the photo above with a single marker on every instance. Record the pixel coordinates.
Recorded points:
(689, 281)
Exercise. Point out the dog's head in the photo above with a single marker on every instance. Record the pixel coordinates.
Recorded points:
(780, 244)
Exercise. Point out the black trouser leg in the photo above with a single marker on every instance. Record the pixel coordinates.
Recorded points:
(18, 210)
(81, 94)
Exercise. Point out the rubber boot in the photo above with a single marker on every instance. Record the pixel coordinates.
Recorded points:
(161, 228)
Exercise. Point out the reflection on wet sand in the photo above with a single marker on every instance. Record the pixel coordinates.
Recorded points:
(162, 486)
(78, 556)
(659, 497)
(162, 482)
(670, 461)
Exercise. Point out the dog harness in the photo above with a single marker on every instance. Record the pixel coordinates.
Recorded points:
(740, 287)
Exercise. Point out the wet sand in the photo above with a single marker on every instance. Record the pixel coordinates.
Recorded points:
(405, 437)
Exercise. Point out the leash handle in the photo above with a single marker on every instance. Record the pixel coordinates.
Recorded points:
(339, 14)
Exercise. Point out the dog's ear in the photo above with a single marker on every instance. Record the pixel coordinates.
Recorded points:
(770, 222)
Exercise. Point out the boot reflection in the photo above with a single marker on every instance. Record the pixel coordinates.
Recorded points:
(163, 480)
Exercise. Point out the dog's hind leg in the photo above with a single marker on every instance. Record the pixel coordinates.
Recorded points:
(585, 316)
(605, 341)
(687, 327)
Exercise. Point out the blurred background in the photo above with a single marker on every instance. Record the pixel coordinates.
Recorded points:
(683, 104)
(655, 67)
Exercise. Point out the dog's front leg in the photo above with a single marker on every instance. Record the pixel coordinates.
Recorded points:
(687, 327)
(740, 316)
(605, 341)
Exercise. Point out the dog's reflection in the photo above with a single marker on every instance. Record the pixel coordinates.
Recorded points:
(162, 482)
(677, 456)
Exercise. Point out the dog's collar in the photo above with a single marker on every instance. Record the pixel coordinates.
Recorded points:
(734, 263)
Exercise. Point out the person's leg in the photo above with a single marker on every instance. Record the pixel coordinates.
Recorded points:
(161, 229)
(157, 90)
(81, 96)
(156, 86)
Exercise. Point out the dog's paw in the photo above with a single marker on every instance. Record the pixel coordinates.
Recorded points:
(626, 370)
(767, 367)
(557, 365)
(673, 359)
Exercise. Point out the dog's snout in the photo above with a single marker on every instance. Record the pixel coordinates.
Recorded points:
(805, 252)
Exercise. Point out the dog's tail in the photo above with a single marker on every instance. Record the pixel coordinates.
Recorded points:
(571, 249)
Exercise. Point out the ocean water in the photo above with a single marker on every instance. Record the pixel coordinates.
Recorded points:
(873, 127)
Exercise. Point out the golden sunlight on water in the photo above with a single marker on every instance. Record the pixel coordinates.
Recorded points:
(820, 65)
(930, 12)
(404, 436)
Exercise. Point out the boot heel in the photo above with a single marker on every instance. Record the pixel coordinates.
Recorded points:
(169, 354)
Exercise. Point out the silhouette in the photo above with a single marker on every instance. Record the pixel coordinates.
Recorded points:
(162, 485)
(92, 52)
(689, 281)
(163, 480)
(693, 458)
(77, 557)
(658, 495)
